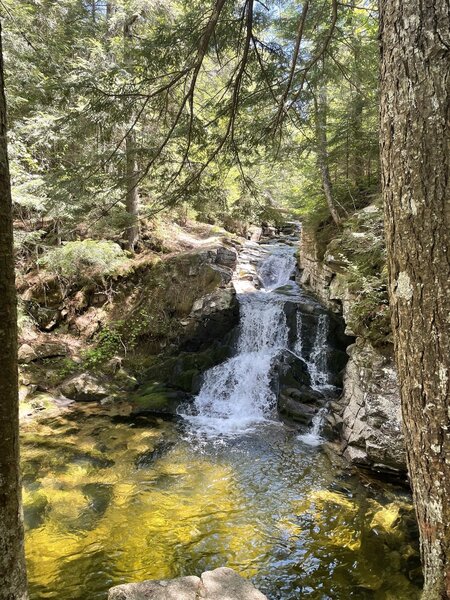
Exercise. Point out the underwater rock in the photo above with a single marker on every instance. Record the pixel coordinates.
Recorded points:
(220, 584)
(157, 400)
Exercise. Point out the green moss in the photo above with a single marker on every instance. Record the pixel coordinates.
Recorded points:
(154, 401)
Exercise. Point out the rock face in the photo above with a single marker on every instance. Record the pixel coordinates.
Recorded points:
(367, 418)
(153, 311)
(368, 415)
(37, 352)
(220, 584)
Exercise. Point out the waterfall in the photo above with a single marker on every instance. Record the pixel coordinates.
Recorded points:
(313, 437)
(317, 362)
(237, 394)
(276, 270)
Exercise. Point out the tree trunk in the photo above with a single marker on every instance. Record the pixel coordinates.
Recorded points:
(13, 581)
(132, 199)
(359, 145)
(320, 117)
(132, 173)
(415, 163)
(110, 9)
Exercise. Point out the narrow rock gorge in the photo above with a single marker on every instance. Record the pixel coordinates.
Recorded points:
(366, 420)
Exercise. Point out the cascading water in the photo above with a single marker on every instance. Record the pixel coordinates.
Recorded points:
(317, 362)
(318, 370)
(237, 394)
(313, 436)
(277, 270)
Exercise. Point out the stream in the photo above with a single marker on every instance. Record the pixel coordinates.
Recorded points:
(109, 499)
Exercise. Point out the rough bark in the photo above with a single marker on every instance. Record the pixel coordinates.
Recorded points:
(320, 117)
(13, 581)
(415, 161)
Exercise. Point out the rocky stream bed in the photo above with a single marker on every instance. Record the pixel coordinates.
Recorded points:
(218, 457)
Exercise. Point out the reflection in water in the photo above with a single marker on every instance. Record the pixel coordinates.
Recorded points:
(108, 501)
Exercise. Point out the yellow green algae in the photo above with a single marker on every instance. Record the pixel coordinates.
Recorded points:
(108, 500)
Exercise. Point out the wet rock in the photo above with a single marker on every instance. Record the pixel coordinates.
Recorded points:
(220, 584)
(292, 383)
(295, 410)
(212, 317)
(290, 371)
(154, 399)
(150, 456)
(289, 228)
(184, 371)
(226, 257)
(84, 388)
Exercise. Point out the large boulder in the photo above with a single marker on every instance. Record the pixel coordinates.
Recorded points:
(212, 317)
(84, 388)
(156, 399)
(39, 351)
(220, 584)
(184, 371)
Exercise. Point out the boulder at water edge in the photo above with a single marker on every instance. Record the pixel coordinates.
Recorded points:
(220, 584)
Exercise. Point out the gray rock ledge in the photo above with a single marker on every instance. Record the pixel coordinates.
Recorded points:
(220, 584)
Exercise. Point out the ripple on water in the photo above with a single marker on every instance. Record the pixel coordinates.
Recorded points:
(150, 501)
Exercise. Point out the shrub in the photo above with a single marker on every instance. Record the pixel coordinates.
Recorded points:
(88, 257)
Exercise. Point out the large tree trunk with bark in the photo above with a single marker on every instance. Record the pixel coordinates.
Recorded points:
(13, 581)
(415, 160)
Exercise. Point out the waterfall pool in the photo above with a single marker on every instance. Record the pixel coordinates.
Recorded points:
(110, 499)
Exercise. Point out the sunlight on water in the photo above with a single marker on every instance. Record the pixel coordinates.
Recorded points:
(109, 501)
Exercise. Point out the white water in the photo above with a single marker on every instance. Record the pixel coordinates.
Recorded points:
(236, 395)
(318, 363)
(313, 437)
(318, 360)
(277, 269)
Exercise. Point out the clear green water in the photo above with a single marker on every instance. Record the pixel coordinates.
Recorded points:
(108, 501)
